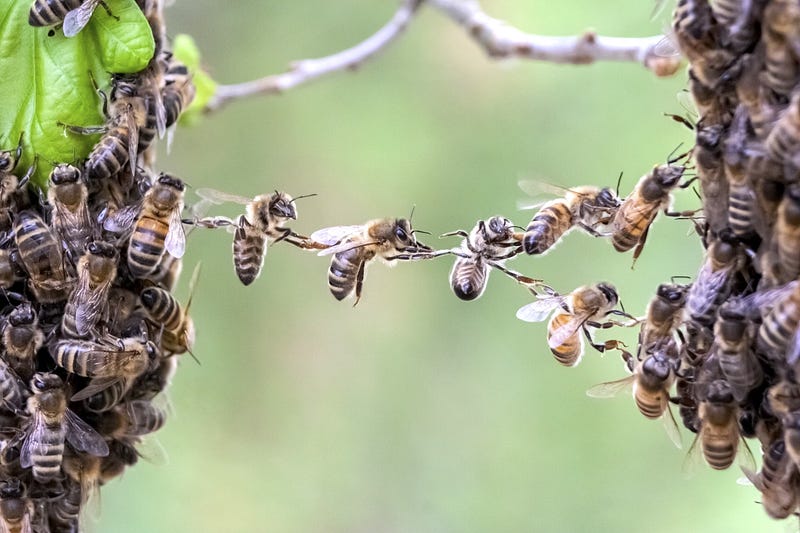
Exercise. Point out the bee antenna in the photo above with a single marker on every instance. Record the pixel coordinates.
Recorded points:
(619, 181)
(413, 207)
(673, 278)
(421, 231)
(196, 360)
(519, 227)
(302, 196)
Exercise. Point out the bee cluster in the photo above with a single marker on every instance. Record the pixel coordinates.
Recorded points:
(90, 329)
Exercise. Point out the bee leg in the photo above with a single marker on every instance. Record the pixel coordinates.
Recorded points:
(601, 347)
(108, 10)
(24, 179)
(18, 151)
(359, 281)
(524, 280)
(639, 246)
(285, 232)
(459, 233)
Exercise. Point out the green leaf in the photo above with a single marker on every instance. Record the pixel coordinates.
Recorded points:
(46, 78)
(185, 50)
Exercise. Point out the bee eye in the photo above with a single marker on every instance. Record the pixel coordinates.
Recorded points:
(401, 234)
(38, 383)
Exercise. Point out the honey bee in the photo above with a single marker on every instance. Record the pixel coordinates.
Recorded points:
(179, 91)
(782, 44)
(10, 185)
(587, 207)
(69, 197)
(741, 196)
(155, 381)
(651, 194)
(177, 327)
(710, 170)
(158, 227)
(719, 427)
(490, 244)
(733, 337)
(581, 309)
(126, 112)
(51, 424)
(685, 400)
(40, 255)
(783, 142)
(121, 456)
(132, 419)
(104, 360)
(22, 338)
(778, 335)
(737, 19)
(663, 316)
(75, 14)
(791, 435)
(65, 511)
(760, 107)
(262, 224)
(776, 481)
(651, 381)
(696, 32)
(354, 247)
(16, 511)
(787, 233)
(88, 301)
(713, 283)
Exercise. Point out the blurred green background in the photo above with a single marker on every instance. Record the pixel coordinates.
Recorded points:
(415, 411)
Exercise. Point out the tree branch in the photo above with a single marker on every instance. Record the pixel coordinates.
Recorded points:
(308, 70)
(498, 39)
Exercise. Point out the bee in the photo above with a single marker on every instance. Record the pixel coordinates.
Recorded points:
(102, 359)
(155, 381)
(778, 334)
(733, 336)
(151, 83)
(581, 309)
(88, 302)
(776, 480)
(587, 207)
(741, 196)
(22, 338)
(71, 221)
(16, 511)
(122, 455)
(782, 44)
(132, 419)
(354, 247)
(157, 229)
(490, 244)
(791, 435)
(262, 224)
(664, 313)
(651, 380)
(75, 14)
(177, 327)
(50, 425)
(783, 142)
(179, 91)
(64, 512)
(685, 400)
(714, 187)
(737, 19)
(697, 34)
(719, 426)
(40, 255)
(787, 233)
(713, 283)
(651, 194)
(760, 107)
(126, 113)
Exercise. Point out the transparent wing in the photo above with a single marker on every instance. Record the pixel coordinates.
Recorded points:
(90, 304)
(76, 19)
(693, 458)
(671, 427)
(150, 449)
(567, 330)
(94, 386)
(702, 295)
(752, 306)
(334, 234)
(344, 247)
(667, 47)
(160, 111)
(35, 434)
(219, 197)
(133, 135)
(82, 437)
(122, 220)
(539, 310)
(745, 456)
(175, 242)
(609, 389)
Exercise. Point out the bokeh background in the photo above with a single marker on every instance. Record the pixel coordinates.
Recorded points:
(415, 411)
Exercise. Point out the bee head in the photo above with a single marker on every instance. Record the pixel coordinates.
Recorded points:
(609, 292)
(22, 315)
(498, 227)
(672, 293)
(7, 161)
(719, 391)
(42, 382)
(102, 249)
(11, 489)
(658, 366)
(64, 173)
(282, 205)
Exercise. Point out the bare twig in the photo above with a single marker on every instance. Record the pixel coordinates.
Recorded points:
(498, 39)
(310, 69)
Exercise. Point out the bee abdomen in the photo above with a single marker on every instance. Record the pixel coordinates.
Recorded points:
(65, 511)
(627, 233)
(47, 454)
(741, 203)
(248, 254)
(146, 246)
(742, 372)
(546, 228)
(650, 410)
(49, 12)
(108, 156)
(468, 278)
(569, 352)
(342, 274)
(108, 398)
(719, 454)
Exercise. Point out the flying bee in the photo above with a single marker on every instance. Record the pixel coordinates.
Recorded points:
(50, 425)
(75, 14)
(71, 221)
(651, 381)
(354, 247)
(579, 310)
(16, 511)
(713, 283)
(663, 316)
(157, 229)
(177, 327)
(733, 335)
(490, 244)
(650, 195)
(40, 255)
(22, 338)
(776, 480)
(263, 223)
(88, 302)
(126, 112)
(587, 207)
(719, 434)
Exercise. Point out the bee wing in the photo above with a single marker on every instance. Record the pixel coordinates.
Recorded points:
(133, 138)
(160, 111)
(219, 197)
(175, 242)
(334, 234)
(609, 389)
(122, 220)
(540, 192)
(82, 437)
(345, 246)
(76, 19)
(745, 456)
(539, 310)
(671, 427)
(95, 385)
(756, 304)
(567, 330)
(702, 294)
(667, 47)
(35, 434)
(150, 449)
(693, 458)
(90, 304)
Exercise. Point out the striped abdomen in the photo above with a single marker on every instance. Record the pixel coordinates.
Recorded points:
(552, 221)
(40, 253)
(719, 442)
(343, 272)
(108, 397)
(741, 208)
(148, 130)
(249, 249)
(109, 154)
(633, 218)
(779, 324)
(65, 510)
(569, 352)
(740, 367)
(651, 404)
(784, 139)
(468, 277)
(144, 418)
(47, 453)
(146, 246)
(50, 12)
(162, 307)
